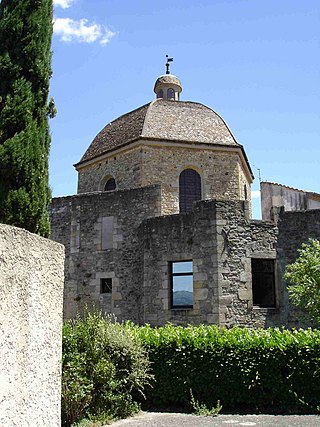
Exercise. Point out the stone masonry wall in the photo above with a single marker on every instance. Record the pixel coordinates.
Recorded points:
(221, 172)
(31, 292)
(295, 228)
(77, 221)
(221, 242)
(124, 167)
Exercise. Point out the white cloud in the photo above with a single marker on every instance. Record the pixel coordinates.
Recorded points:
(81, 31)
(255, 194)
(63, 3)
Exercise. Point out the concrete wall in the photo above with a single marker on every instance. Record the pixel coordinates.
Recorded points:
(274, 196)
(31, 290)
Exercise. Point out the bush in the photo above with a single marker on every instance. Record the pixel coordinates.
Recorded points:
(103, 366)
(268, 370)
(304, 279)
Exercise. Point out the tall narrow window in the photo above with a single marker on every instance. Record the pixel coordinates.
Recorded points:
(181, 275)
(170, 94)
(189, 189)
(160, 94)
(110, 185)
(263, 282)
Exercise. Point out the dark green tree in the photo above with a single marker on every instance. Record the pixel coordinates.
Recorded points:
(25, 71)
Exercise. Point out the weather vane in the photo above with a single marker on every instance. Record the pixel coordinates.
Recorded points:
(168, 64)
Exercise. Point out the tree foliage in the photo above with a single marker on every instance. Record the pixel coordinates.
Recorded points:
(25, 71)
(303, 277)
(104, 369)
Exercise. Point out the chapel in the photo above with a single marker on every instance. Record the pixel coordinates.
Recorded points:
(161, 229)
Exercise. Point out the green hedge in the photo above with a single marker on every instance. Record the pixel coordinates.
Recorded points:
(265, 370)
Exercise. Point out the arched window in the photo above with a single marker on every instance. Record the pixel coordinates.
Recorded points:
(160, 94)
(170, 93)
(110, 185)
(189, 189)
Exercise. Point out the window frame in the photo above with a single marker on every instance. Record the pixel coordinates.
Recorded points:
(180, 274)
(255, 273)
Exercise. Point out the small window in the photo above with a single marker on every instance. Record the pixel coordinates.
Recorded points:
(245, 191)
(110, 185)
(106, 285)
(170, 94)
(263, 282)
(160, 94)
(181, 275)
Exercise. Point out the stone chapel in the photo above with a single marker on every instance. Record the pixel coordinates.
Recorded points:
(161, 230)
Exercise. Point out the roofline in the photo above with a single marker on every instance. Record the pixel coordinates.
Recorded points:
(311, 193)
(213, 147)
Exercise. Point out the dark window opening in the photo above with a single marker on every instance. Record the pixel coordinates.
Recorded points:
(170, 94)
(263, 282)
(181, 284)
(110, 185)
(160, 93)
(106, 286)
(245, 192)
(189, 189)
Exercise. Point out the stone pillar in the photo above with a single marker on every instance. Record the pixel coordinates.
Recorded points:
(31, 297)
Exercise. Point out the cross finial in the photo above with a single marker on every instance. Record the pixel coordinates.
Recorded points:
(168, 64)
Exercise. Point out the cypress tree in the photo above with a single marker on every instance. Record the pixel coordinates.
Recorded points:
(25, 71)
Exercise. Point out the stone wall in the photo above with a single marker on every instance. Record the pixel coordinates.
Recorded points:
(125, 167)
(295, 228)
(221, 172)
(31, 290)
(221, 242)
(81, 223)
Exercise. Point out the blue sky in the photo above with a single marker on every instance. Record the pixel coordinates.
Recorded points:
(255, 62)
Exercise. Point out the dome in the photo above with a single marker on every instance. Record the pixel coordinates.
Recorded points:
(168, 86)
(162, 120)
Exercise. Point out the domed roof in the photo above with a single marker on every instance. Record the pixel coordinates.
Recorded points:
(161, 120)
(168, 79)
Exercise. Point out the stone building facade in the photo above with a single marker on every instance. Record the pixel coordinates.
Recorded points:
(161, 227)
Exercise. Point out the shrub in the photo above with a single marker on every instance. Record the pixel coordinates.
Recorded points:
(267, 370)
(304, 279)
(103, 365)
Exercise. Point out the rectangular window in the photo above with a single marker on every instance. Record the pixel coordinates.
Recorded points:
(106, 285)
(263, 282)
(181, 276)
(107, 232)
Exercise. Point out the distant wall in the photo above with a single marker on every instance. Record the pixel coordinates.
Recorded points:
(275, 196)
(31, 292)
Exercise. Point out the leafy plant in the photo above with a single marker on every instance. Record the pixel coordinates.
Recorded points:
(202, 409)
(273, 370)
(304, 279)
(103, 367)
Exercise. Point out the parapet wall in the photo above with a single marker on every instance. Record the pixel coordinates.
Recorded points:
(31, 292)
